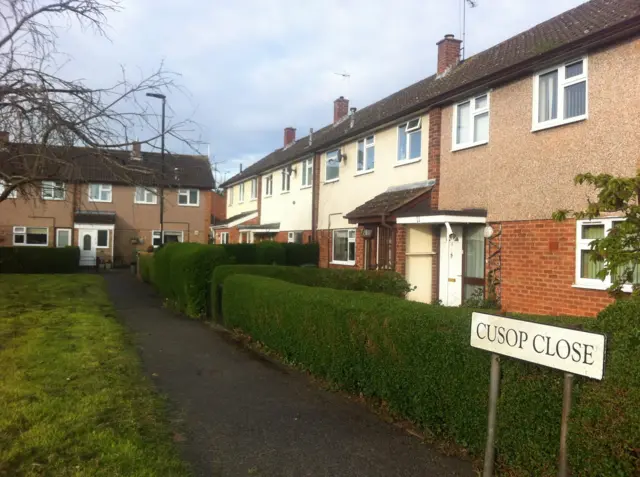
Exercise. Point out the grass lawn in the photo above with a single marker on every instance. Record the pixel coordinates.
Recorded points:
(73, 398)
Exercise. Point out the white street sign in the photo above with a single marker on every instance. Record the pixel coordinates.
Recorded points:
(576, 352)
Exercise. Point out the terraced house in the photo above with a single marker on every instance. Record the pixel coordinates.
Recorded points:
(107, 203)
(453, 180)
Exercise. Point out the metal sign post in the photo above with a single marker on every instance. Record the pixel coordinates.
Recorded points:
(574, 352)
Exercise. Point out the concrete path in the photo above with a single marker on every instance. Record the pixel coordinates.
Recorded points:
(242, 415)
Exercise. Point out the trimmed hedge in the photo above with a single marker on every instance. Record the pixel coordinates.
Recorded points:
(182, 274)
(242, 253)
(39, 260)
(270, 253)
(145, 262)
(298, 254)
(417, 358)
(387, 282)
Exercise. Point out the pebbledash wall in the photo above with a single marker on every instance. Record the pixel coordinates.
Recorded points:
(521, 177)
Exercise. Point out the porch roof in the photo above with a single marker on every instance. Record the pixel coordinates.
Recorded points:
(274, 227)
(390, 201)
(235, 220)
(94, 217)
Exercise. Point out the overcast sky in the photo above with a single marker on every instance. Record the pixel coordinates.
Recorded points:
(253, 67)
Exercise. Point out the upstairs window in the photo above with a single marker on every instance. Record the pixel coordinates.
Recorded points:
(231, 195)
(410, 140)
(100, 192)
(286, 179)
(307, 172)
(366, 154)
(254, 189)
(241, 193)
(471, 122)
(332, 166)
(12, 195)
(560, 95)
(146, 195)
(189, 197)
(268, 185)
(52, 190)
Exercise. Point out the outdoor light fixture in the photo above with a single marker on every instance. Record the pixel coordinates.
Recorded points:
(367, 233)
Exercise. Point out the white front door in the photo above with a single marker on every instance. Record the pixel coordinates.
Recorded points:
(87, 239)
(451, 266)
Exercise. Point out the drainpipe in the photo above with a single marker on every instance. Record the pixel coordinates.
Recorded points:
(390, 228)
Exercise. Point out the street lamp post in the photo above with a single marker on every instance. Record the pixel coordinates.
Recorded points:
(161, 188)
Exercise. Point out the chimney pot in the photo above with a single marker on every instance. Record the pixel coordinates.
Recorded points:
(448, 53)
(289, 136)
(136, 150)
(340, 109)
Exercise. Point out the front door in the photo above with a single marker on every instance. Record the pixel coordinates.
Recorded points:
(419, 253)
(451, 265)
(88, 240)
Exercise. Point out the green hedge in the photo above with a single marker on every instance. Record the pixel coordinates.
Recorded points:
(145, 262)
(417, 358)
(298, 254)
(270, 253)
(182, 274)
(390, 283)
(242, 253)
(39, 260)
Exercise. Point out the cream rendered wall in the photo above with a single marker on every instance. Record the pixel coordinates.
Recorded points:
(291, 209)
(239, 207)
(352, 189)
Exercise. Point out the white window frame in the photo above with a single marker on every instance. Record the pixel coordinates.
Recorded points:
(156, 234)
(108, 238)
(350, 239)
(473, 112)
(22, 230)
(291, 237)
(224, 237)
(335, 152)
(268, 185)
(54, 186)
(230, 198)
(254, 188)
(562, 84)
(583, 244)
(286, 180)
(147, 191)
(307, 173)
(101, 188)
(12, 195)
(416, 129)
(241, 193)
(187, 193)
(365, 146)
(70, 231)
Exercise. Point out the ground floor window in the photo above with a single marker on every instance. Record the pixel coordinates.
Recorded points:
(33, 236)
(344, 246)
(294, 237)
(169, 236)
(103, 239)
(473, 273)
(63, 237)
(224, 237)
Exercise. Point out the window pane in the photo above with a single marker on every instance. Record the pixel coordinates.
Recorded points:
(589, 268)
(37, 235)
(360, 164)
(481, 102)
(333, 167)
(371, 153)
(156, 238)
(64, 238)
(18, 238)
(182, 198)
(369, 140)
(193, 196)
(415, 144)
(474, 252)
(414, 123)
(575, 69)
(595, 231)
(548, 97)
(340, 252)
(94, 191)
(402, 142)
(463, 124)
(575, 100)
(86, 242)
(105, 195)
(481, 127)
(103, 238)
(352, 251)
(471, 290)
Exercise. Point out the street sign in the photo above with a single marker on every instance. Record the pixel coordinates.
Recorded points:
(573, 351)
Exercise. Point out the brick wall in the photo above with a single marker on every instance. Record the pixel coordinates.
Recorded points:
(401, 249)
(435, 130)
(538, 270)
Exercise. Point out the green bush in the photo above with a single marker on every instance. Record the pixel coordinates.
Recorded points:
(270, 253)
(242, 253)
(298, 254)
(145, 262)
(417, 358)
(391, 283)
(39, 260)
(182, 273)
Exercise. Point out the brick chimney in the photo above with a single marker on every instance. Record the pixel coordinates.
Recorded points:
(289, 136)
(448, 53)
(340, 109)
(136, 151)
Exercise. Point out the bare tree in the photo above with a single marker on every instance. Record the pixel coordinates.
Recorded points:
(49, 114)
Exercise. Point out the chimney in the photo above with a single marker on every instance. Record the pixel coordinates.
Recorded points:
(340, 109)
(136, 151)
(448, 53)
(240, 167)
(289, 136)
(310, 136)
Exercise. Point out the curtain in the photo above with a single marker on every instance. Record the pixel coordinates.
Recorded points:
(463, 126)
(589, 268)
(548, 97)
(481, 127)
(474, 252)
(575, 100)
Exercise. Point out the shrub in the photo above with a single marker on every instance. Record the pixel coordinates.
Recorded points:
(39, 260)
(417, 358)
(270, 253)
(391, 283)
(298, 254)
(242, 253)
(145, 263)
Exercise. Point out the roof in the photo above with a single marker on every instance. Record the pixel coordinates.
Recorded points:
(387, 202)
(94, 217)
(82, 164)
(590, 25)
(235, 218)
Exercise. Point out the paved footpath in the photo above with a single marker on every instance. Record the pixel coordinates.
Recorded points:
(242, 415)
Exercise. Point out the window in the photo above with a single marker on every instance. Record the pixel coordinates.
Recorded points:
(366, 154)
(12, 195)
(33, 236)
(471, 122)
(146, 195)
(254, 189)
(190, 197)
(307, 172)
(410, 140)
(103, 239)
(100, 192)
(240, 193)
(344, 246)
(224, 237)
(268, 185)
(169, 236)
(294, 237)
(52, 190)
(332, 166)
(63, 238)
(560, 95)
(230, 195)
(286, 179)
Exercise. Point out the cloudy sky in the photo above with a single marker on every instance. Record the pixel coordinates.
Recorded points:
(252, 67)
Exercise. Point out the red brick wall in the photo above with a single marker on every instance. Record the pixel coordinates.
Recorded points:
(401, 249)
(435, 131)
(219, 205)
(283, 236)
(325, 241)
(538, 270)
